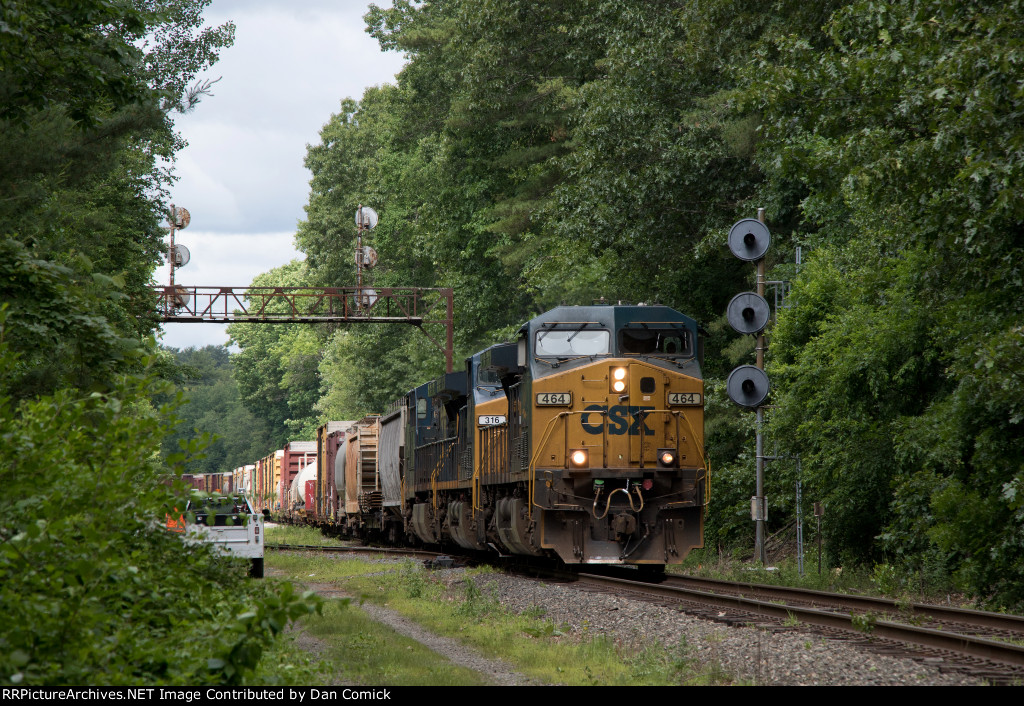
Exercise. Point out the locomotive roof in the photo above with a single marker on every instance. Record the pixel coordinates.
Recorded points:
(614, 317)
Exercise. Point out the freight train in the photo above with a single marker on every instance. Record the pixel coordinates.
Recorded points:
(583, 440)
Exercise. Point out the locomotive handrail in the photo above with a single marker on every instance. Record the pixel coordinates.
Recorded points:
(531, 470)
(445, 448)
(486, 439)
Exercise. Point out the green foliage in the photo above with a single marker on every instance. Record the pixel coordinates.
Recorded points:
(95, 590)
(413, 579)
(58, 53)
(52, 322)
(887, 370)
(864, 623)
(210, 405)
(88, 90)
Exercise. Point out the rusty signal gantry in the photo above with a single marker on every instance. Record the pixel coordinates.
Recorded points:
(307, 305)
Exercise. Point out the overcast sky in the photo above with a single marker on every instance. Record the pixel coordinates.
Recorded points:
(242, 177)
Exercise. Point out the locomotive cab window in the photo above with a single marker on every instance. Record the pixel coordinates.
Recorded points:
(655, 341)
(568, 340)
(488, 378)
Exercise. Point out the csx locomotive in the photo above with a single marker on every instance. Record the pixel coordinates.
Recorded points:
(583, 439)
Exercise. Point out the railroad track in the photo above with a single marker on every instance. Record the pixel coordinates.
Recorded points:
(988, 645)
(998, 626)
(965, 638)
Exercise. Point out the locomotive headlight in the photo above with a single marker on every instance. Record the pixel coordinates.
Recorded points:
(579, 458)
(667, 458)
(618, 380)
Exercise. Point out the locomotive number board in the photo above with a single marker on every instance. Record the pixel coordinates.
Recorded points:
(554, 399)
(491, 420)
(676, 399)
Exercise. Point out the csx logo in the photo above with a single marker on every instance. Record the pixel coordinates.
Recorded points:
(621, 419)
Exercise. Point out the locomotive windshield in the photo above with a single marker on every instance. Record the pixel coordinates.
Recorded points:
(577, 340)
(654, 341)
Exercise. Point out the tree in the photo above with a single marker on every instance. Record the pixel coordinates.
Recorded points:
(900, 369)
(212, 407)
(276, 370)
(93, 589)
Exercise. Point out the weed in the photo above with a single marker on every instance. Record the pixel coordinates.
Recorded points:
(546, 629)
(886, 579)
(791, 620)
(535, 611)
(475, 603)
(865, 622)
(413, 577)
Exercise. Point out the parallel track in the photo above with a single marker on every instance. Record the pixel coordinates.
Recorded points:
(855, 616)
(975, 622)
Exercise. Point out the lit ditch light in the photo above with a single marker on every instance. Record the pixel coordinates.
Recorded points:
(618, 380)
(579, 458)
(668, 458)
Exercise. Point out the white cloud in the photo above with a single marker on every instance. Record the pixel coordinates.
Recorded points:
(287, 72)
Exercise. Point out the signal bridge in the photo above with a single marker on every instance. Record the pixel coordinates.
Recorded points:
(308, 305)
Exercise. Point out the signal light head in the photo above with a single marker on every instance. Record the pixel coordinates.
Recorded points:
(579, 458)
(667, 458)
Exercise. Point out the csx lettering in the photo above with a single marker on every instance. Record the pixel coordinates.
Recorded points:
(618, 419)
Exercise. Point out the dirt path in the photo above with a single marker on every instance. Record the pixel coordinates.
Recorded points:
(495, 671)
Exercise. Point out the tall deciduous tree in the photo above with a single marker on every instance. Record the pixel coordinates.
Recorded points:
(901, 367)
(93, 590)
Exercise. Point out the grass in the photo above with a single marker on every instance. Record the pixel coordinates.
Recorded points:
(469, 612)
(297, 534)
(363, 651)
